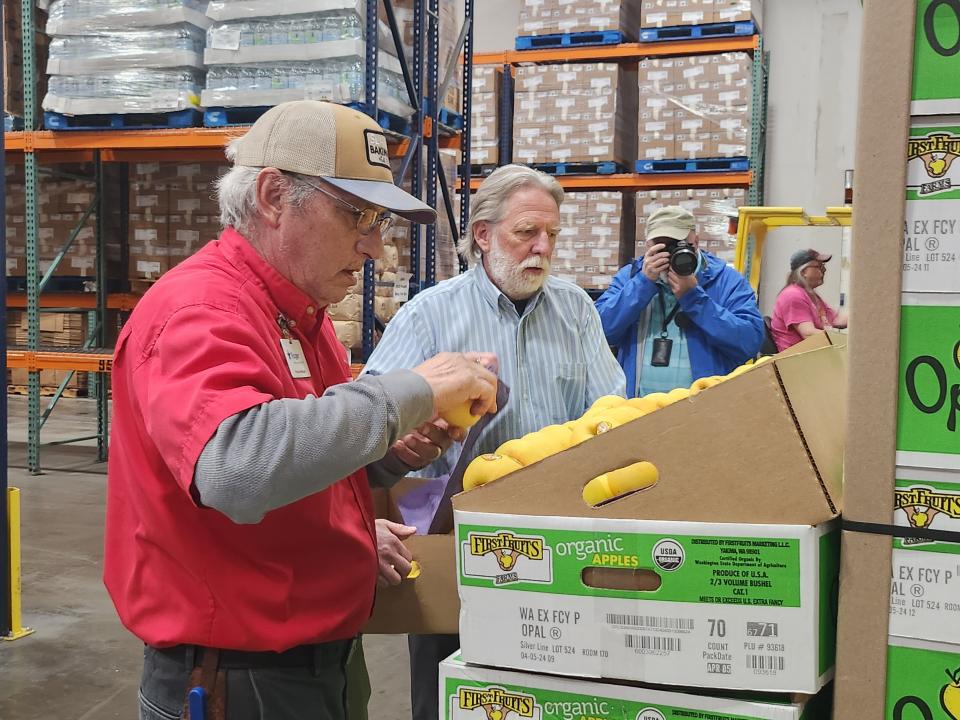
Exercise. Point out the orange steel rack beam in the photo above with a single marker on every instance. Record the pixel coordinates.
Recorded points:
(92, 361)
(654, 181)
(87, 301)
(624, 51)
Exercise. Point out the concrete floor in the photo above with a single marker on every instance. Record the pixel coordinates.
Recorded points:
(81, 664)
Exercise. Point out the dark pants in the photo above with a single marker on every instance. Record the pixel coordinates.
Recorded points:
(426, 653)
(320, 691)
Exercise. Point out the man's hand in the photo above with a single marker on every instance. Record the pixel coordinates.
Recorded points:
(427, 443)
(656, 261)
(458, 378)
(680, 285)
(393, 554)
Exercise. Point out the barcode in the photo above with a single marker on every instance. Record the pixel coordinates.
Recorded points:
(650, 621)
(652, 642)
(766, 662)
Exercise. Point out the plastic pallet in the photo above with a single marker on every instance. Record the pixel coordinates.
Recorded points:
(564, 40)
(12, 123)
(580, 168)
(693, 32)
(228, 116)
(61, 283)
(482, 170)
(736, 164)
(450, 118)
(116, 121)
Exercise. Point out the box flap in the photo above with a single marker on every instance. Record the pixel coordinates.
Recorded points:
(760, 471)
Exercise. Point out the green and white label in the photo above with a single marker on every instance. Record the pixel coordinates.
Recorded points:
(929, 387)
(923, 681)
(936, 63)
(732, 606)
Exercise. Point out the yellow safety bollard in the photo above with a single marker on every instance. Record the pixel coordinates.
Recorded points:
(17, 630)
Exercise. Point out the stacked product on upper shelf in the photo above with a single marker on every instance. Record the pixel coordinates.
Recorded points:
(596, 236)
(485, 115)
(553, 17)
(674, 13)
(695, 107)
(448, 33)
(575, 114)
(261, 54)
(13, 62)
(122, 57)
(712, 207)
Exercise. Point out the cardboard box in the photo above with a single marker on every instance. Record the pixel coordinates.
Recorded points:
(739, 11)
(916, 682)
(470, 692)
(753, 548)
(546, 17)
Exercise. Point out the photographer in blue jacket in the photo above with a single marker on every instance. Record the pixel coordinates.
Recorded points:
(678, 313)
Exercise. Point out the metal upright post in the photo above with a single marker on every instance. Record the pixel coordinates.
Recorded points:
(370, 103)
(416, 173)
(467, 122)
(433, 145)
(30, 222)
(5, 584)
(505, 103)
(758, 125)
(102, 281)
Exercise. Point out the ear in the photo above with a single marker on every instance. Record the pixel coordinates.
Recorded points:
(483, 234)
(694, 239)
(271, 196)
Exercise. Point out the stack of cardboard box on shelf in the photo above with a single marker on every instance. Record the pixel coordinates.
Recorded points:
(712, 208)
(695, 107)
(575, 113)
(173, 213)
(671, 13)
(549, 17)
(595, 234)
(13, 56)
(485, 115)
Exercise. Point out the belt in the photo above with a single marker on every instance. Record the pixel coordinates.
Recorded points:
(318, 656)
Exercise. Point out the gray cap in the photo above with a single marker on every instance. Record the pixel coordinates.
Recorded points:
(672, 222)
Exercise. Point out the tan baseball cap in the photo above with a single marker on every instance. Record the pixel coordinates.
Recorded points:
(670, 222)
(343, 146)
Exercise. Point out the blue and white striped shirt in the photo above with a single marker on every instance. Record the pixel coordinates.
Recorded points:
(554, 358)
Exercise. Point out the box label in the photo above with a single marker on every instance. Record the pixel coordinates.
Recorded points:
(936, 59)
(929, 386)
(923, 683)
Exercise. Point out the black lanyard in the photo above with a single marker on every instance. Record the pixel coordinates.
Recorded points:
(667, 319)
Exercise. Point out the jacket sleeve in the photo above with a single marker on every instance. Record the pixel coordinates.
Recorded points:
(604, 374)
(621, 304)
(735, 326)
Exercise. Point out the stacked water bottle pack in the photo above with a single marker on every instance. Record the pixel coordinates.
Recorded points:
(125, 56)
(259, 53)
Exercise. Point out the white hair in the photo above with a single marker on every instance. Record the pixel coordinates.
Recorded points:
(237, 193)
(488, 204)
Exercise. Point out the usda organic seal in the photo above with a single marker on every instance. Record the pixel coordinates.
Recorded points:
(650, 713)
(668, 555)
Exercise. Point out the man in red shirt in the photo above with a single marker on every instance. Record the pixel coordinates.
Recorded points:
(240, 540)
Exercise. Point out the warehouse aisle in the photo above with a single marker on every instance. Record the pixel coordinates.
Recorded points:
(81, 664)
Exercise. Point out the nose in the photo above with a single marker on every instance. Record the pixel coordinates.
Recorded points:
(371, 245)
(543, 245)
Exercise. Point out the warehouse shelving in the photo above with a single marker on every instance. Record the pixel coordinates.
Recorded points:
(32, 147)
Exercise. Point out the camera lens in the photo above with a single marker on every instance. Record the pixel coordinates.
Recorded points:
(684, 261)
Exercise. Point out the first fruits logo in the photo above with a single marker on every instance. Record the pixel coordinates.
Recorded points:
(937, 151)
(497, 703)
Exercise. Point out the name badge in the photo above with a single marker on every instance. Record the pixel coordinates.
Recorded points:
(295, 359)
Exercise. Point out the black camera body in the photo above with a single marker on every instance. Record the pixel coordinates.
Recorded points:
(684, 259)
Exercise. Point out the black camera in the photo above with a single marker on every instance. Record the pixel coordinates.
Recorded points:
(684, 259)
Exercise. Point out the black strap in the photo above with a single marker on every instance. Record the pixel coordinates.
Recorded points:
(900, 531)
(667, 319)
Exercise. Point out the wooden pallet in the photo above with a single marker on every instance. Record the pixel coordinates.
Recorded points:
(47, 391)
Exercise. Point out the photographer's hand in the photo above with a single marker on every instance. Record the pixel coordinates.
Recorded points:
(680, 285)
(655, 261)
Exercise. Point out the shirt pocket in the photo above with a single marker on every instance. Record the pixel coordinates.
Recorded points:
(571, 380)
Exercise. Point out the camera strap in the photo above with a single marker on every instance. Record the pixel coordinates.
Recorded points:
(667, 319)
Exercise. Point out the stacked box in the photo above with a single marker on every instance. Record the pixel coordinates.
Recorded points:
(61, 203)
(712, 208)
(120, 56)
(485, 115)
(673, 13)
(595, 228)
(549, 17)
(584, 112)
(173, 213)
(13, 56)
(695, 107)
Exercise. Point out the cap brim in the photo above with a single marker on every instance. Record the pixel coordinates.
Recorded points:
(823, 258)
(388, 196)
(674, 233)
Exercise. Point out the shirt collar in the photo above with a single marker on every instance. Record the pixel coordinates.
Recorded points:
(495, 298)
(297, 307)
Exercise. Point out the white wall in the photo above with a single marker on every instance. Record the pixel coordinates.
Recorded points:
(814, 69)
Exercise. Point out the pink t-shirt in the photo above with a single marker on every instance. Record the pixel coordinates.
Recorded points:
(794, 306)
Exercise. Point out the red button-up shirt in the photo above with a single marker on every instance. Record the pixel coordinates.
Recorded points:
(202, 345)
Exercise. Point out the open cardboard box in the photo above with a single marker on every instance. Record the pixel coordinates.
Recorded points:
(734, 549)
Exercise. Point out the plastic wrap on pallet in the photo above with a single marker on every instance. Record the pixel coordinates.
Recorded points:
(221, 10)
(303, 38)
(127, 91)
(84, 17)
(548, 17)
(338, 80)
(169, 47)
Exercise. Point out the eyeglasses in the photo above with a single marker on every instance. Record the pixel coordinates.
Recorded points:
(367, 219)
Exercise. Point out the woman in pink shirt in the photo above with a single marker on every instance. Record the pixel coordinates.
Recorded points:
(800, 312)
